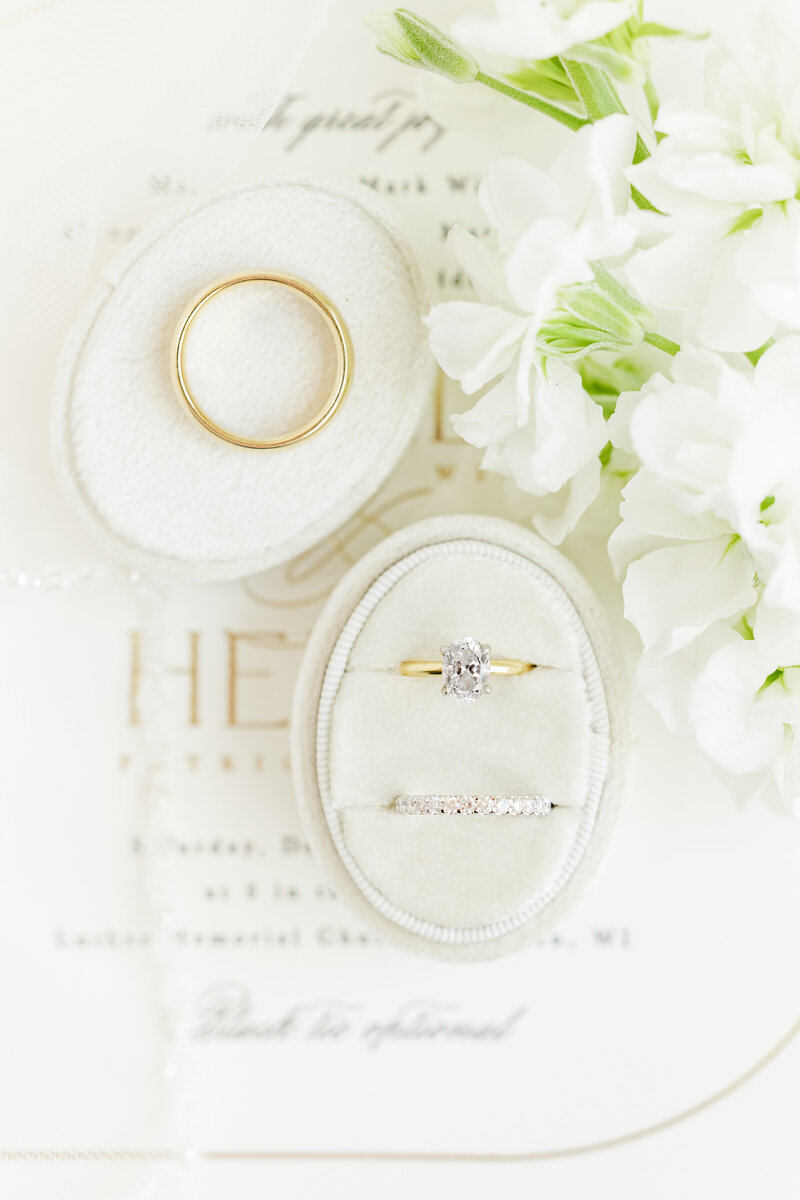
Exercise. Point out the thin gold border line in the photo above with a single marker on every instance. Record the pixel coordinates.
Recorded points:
(40, 1156)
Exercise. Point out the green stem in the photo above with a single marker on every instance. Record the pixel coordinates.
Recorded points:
(662, 343)
(571, 120)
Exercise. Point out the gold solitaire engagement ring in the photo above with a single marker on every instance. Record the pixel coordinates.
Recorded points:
(342, 346)
(465, 667)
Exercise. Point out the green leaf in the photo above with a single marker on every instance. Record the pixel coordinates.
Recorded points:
(745, 220)
(775, 677)
(621, 66)
(596, 91)
(545, 78)
(744, 627)
(755, 355)
(600, 99)
(649, 29)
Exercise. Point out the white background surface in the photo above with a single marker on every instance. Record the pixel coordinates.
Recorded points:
(677, 977)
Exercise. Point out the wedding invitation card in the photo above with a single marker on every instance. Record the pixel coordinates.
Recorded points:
(183, 991)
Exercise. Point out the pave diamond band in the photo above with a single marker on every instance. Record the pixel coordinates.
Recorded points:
(445, 805)
(465, 668)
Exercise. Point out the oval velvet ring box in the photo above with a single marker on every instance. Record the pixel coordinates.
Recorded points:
(157, 489)
(472, 884)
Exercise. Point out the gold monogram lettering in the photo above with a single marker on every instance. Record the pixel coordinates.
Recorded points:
(238, 671)
(192, 671)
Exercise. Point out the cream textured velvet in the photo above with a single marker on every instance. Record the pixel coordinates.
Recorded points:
(390, 733)
(156, 488)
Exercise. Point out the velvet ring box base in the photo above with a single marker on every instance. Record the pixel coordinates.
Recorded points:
(463, 886)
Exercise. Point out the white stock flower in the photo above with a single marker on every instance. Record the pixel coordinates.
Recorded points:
(684, 570)
(709, 535)
(686, 564)
(712, 519)
(549, 450)
(537, 423)
(666, 680)
(728, 180)
(745, 704)
(538, 29)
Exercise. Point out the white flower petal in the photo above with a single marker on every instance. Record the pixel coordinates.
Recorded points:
(513, 195)
(768, 262)
(705, 130)
(651, 518)
(715, 176)
(590, 173)
(778, 369)
(619, 423)
(554, 454)
(776, 639)
(570, 427)
(737, 725)
(474, 342)
(686, 435)
(675, 273)
(493, 419)
(526, 30)
(732, 318)
(658, 178)
(484, 266)
(782, 585)
(549, 256)
(675, 593)
(558, 515)
(666, 681)
(699, 367)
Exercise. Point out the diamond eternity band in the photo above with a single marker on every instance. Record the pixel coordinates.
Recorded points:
(513, 806)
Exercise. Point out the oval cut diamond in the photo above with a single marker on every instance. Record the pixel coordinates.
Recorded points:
(466, 667)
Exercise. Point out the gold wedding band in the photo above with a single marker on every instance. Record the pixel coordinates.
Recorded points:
(342, 345)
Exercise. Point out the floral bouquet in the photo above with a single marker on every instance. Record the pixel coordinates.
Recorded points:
(638, 317)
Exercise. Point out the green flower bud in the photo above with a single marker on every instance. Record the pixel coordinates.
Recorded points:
(597, 310)
(585, 320)
(416, 42)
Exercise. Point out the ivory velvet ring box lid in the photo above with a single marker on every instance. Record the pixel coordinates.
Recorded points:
(460, 886)
(160, 492)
